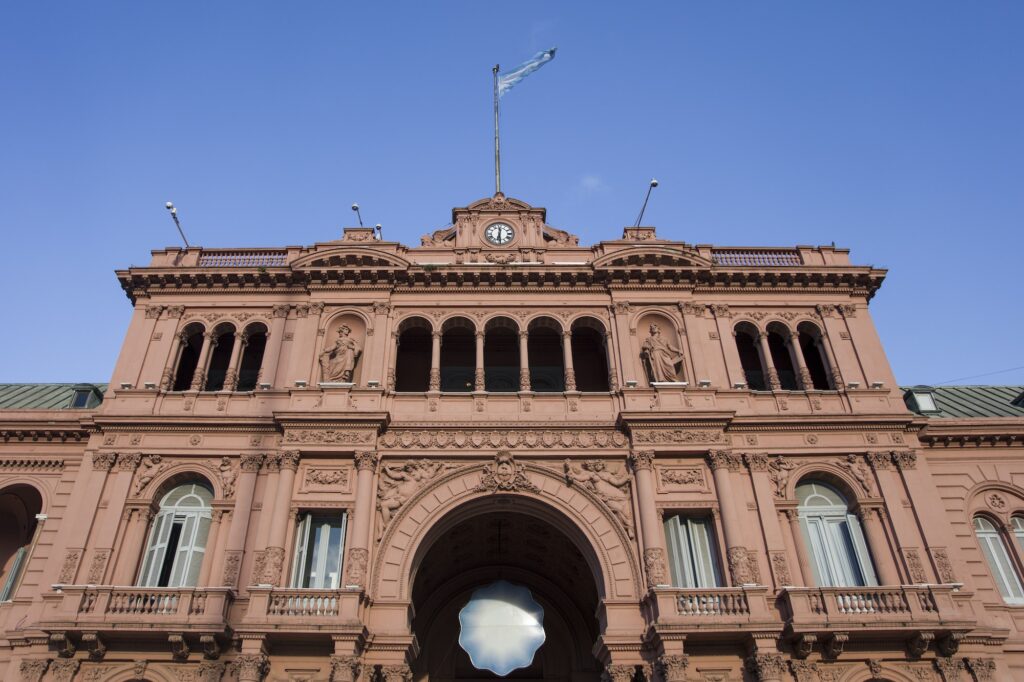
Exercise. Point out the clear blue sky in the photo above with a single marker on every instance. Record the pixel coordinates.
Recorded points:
(894, 129)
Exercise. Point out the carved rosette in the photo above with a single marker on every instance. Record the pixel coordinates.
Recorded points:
(672, 668)
(366, 460)
(355, 566)
(251, 667)
(654, 562)
(344, 668)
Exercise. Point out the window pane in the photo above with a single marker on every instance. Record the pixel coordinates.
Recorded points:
(1002, 569)
(691, 552)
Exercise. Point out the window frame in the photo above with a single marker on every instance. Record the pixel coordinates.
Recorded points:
(305, 536)
(686, 568)
(837, 548)
(189, 549)
(996, 537)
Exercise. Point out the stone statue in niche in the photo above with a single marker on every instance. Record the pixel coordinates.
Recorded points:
(660, 356)
(338, 362)
(611, 488)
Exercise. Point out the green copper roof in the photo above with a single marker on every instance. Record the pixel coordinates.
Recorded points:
(44, 396)
(967, 402)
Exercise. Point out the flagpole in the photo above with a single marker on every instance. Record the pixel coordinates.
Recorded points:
(497, 144)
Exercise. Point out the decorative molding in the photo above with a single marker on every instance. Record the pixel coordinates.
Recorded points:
(680, 478)
(326, 477)
(69, 568)
(504, 439)
(678, 436)
(506, 475)
(328, 436)
(723, 459)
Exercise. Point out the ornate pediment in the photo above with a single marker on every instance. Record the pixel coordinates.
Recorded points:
(351, 257)
(653, 257)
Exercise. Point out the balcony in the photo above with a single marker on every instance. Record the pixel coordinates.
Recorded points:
(304, 611)
(710, 611)
(107, 608)
(879, 610)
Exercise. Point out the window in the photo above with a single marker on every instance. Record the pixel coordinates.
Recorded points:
(998, 558)
(177, 540)
(81, 398)
(1017, 523)
(319, 543)
(833, 535)
(252, 358)
(921, 399)
(20, 507)
(691, 551)
(750, 357)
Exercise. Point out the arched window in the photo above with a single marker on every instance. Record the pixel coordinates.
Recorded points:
(501, 356)
(779, 346)
(252, 357)
(188, 357)
(692, 557)
(177, 539)
(1017, 524)
(544, 346)
(999, 562)
(590, 356)
(750, 356)
(458, 355)
(834, 537)
(810, 347)
(220, 357)
(19, 505)
(412, 359)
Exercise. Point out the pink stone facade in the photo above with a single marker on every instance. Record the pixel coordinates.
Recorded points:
(537, 411)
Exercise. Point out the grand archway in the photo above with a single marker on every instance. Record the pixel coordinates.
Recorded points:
(498, 539)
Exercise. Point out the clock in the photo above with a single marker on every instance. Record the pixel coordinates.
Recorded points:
(499, 234)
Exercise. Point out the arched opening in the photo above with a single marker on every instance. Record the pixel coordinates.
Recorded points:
(779, 345)
(810, 347)
(177, 537)
(220, 357)
(412, 358)
(252, 357)
(590, 356)
(833, 537)
(527, 550)
(750, 358)
(501, 356)
(458, 355)
(1000, 563)
(544, 346)
(188, 356)
(19, 505)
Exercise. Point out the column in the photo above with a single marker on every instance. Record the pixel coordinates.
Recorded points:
(934, 527)
(650, 527)
(727, 343)
(830, 363)
(167, 376)
(767, 362)
(778, 560)
(274, 557)
(209, 555)
(272, 467)
(275, 340)
(132, 546)
(389, 381)
(231, 378)
(199, 378)
(570, 373)
(722, 462)
(802, 554)
(797, 574)
(882, 557)
(81, 514)
(613, 375)
(359, 553)
(435, 360)
(695, 337)
(801, 367)
(907, 526)
(479, 382)
(105, 531)
(235, 545)
(524, 361)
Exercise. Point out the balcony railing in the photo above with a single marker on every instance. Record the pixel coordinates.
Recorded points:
(757, 257)
(713, 603)
(249, 258)
(884, 608)
(99, 607)
(298, 609)
(716, 608)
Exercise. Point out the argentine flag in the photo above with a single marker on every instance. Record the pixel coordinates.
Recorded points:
(510, 78)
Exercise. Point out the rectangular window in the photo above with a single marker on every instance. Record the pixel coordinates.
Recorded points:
(319, 542)
(693, 559)
(80, 399)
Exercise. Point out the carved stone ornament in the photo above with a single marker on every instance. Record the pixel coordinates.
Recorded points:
(273, 563)
(98, 566)
(228, 475)
(779, 471)
(983, 669)
(290, 459)
(723, 459)
(326, 477)
(344, 668)
(678, 436)
(950, 668)
(251, 462)
(944, 566)
(504, 474)
(860, 472)
(756, 461)
(366, 460)
(672, 668)
(766, 666)
(69, 567)
(355, 566)
(659, 356)
(152, 465)
(64, 669)
(128, 461)
(654, 562)
(875, 668)
(919, 643)
(251, 667)
(780, 568)
(327, 436)
(833, 646)
(396, 673)
(905, 459)
(31, 670)
(399, 484)
(338, 361)
(996, 502)
(618, 673)
(641, 459)
(103, 461)
(612, 489)
(62, 645)
(503, 439)
(914, 566)
(879, 460)
(232, 565)
(671, 478)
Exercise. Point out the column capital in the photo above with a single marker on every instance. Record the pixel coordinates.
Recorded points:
(281, 310)
(437, 334)
(480, 335)
(904, 459)
(756, 461)
(723, 459)
(366, 460)
(251, 462)
(524, 335)
(290, 460)
(641, 459)
(103, 461)
(130, 461)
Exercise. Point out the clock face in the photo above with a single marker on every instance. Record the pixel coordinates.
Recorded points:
(499, 233)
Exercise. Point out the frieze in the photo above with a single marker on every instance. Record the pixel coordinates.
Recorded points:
(12, 464)
(326, 478)
(327, 436)
(509, 439)
(678, 479)
(676, 436)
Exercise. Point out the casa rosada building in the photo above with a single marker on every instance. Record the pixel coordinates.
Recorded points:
(696, 460)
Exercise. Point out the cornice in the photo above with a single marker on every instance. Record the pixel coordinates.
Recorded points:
(189, 424)
(30, 464)
(39, 433)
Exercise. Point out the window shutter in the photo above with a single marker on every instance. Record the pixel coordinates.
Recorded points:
(301, 544)
(703, 554)
(156, 547)
(860, 548)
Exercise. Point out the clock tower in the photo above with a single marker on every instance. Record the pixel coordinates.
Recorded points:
(499, 222)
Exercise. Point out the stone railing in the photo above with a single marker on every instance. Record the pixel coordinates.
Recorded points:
(239, 258)
(885, 607)
(302, 609)
(757, 257)
(718, 608)
(102, 607)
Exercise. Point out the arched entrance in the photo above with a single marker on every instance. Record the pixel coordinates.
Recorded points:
(500, 538)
